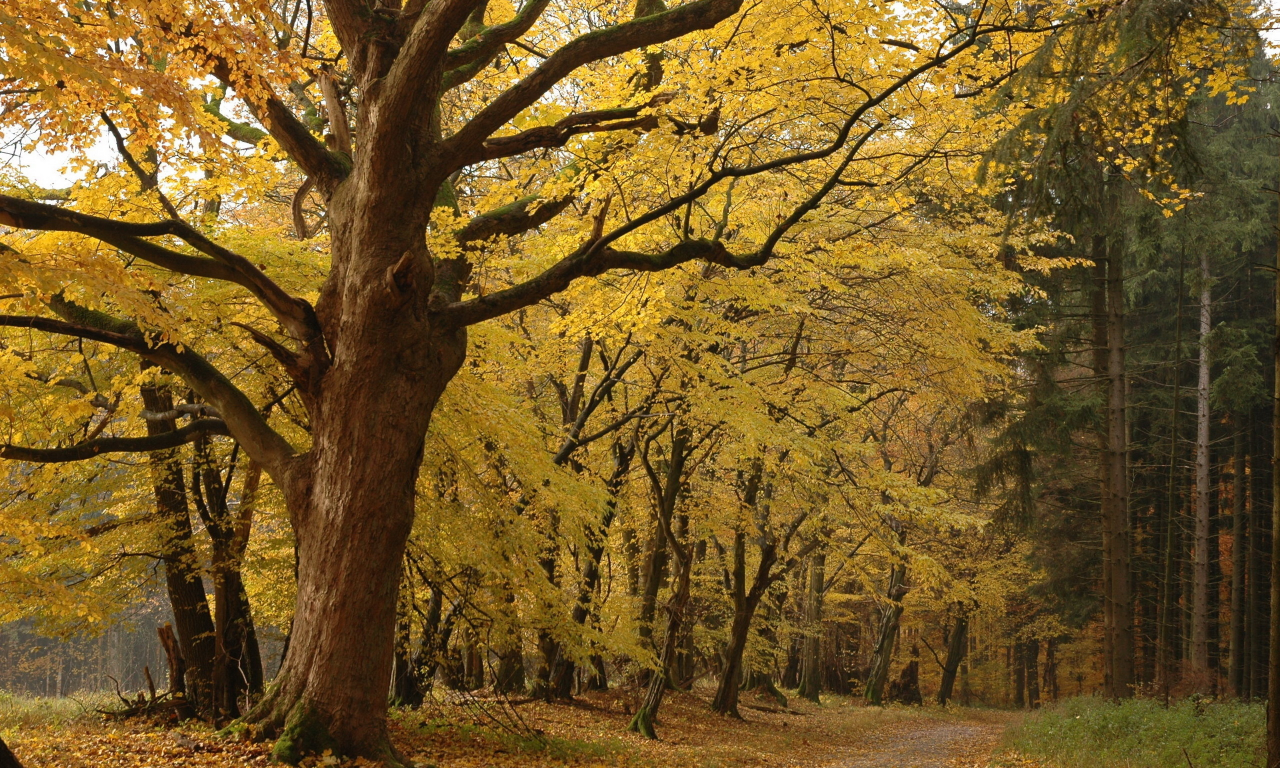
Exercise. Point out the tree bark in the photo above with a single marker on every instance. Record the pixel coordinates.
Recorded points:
(1117, 590)
(647, 714)
(745, 603)
(352, 518)
(1200, 568)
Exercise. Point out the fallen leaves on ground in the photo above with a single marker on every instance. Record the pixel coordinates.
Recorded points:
(462, 731)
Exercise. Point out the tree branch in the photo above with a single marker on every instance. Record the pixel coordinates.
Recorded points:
(548, 136)
(296, 314)
(611, 41)
(92, 448)
(470, 58)
(581, 264)
(245, 423)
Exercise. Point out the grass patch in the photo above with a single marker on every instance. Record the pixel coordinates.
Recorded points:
(1089, 732)
(29, 712)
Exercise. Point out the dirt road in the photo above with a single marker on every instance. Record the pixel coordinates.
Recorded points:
(925, 744)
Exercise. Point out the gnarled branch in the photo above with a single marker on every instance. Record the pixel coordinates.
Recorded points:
(594, 46)
(296, 314)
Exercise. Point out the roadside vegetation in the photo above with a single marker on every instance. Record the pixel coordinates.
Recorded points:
(1088, 732)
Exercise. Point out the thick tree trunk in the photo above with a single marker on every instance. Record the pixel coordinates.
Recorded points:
(7, 758)
(811, 655)
(1200, 568)
(956, 645)
(191, 616)
(353, 509)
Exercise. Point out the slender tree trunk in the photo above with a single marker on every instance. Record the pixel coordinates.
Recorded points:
(1020, 675)
(1239, 547)
(956, 646)
(191, 616)
(562, 674)
(888, 635)
(745, 603)
(1200, 561)
(647, 714)
(1273, 657)
(1032, 664)
(1117, 528)
(1167, 607)
(811, 658)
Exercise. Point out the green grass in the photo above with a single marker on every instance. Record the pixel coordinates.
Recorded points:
(1092, 733)
(26, 712)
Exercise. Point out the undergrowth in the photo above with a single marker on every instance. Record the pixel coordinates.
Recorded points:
(1089, 732)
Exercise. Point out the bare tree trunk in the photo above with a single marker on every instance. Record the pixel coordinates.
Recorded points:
(956, 645)
(352, 518)
(1200, 572)
(1167, 607)
(745, 603)
(811, 656)
(1117, 590)
(890, 613)
(1019, 675)
(191, 616)
(647, 714)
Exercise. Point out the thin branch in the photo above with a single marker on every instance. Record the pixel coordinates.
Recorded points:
(91, 448)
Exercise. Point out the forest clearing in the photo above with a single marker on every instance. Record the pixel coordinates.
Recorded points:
(652, 382)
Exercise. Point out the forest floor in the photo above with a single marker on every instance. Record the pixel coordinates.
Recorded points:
(465, 731)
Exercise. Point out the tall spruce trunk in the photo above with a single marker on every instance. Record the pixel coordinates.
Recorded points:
(351, 497)
(1117, 589)
(1239, 546)
(1167, 606)
(1273, 656)
(811, 656)
(1200, 566)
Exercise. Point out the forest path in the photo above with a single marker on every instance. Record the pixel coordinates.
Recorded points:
(926, 744)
